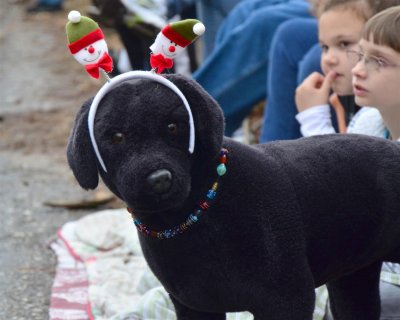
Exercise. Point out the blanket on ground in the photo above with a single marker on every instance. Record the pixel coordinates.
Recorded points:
(102, 274)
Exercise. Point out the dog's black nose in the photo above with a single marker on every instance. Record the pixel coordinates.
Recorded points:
(160, 181)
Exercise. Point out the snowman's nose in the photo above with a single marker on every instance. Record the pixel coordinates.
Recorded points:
(91, 50)
(171, 49)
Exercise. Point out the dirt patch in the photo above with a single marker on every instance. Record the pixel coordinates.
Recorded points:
(44, 85)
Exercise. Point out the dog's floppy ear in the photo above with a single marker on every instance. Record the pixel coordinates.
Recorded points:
(207, 115)
(80, 154)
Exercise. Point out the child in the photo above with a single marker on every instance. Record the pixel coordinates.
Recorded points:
(376, 75)
(371, 58)
(340, 23)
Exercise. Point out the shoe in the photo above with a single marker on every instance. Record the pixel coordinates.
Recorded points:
(152, 12)
(44, 8)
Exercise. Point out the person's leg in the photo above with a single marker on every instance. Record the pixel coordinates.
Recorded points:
(292, 41)
(136, 45)
(46, 5)
(51, 2)
(175, 7)
(239, 14)
(212, 13)
(310, 63)
(235, 73)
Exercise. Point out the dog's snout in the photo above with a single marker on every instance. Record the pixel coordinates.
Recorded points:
(160, 181)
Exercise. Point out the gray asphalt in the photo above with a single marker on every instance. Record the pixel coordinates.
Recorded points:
(41, 86)
(27, 265)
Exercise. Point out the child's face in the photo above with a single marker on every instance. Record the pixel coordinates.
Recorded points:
(376, 76)
(339, 30)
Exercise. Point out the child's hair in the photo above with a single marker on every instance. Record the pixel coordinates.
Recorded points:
(362, 8)
(365, 9)
(384, 28)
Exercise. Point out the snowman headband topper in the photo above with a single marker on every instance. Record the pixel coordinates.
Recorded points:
(87, 45)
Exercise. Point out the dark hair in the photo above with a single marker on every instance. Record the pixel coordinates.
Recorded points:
(384, 28)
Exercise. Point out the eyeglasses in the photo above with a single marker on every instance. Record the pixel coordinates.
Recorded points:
(371, 63)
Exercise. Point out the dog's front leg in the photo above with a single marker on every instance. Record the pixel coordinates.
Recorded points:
(185, 313)
(289, 300)
(288, 309)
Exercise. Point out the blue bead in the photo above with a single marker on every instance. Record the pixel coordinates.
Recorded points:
(211, 194)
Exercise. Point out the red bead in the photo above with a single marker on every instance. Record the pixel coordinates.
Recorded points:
(204, 205)
(223, 159)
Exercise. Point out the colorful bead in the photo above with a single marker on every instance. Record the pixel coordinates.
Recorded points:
(211, 194)
(204, 205)
(194, 217)
(221, 169)
(222, 159)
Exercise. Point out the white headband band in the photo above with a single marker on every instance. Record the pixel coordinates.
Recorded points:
(128, 76)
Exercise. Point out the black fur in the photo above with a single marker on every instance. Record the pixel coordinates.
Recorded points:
(289, 216)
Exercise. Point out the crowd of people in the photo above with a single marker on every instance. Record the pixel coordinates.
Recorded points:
(320, 67)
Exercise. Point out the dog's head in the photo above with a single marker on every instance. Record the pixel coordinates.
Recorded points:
(142, 131)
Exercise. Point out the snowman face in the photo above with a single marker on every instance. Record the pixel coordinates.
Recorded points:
(92, 53)
(162, 45)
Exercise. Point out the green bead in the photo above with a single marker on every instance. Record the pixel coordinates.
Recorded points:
(221, 169)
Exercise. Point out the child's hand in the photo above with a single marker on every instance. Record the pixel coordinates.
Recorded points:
(314, 91)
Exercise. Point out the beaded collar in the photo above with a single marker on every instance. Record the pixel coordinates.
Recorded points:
(203, 206)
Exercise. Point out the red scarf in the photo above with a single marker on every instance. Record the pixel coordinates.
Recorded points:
(104, 63)
(159, 62)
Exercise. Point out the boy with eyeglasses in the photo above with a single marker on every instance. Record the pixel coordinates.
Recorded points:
(376, 74)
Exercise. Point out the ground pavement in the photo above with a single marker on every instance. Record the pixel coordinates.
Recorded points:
(41, 87)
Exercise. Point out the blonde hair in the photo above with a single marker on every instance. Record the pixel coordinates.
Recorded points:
(384, 28)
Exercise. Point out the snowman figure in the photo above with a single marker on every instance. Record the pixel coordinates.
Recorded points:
(172, 40)
(87, 44)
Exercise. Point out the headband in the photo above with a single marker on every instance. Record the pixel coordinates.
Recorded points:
(129, 76)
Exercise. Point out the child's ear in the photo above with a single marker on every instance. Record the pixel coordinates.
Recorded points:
(80, 154)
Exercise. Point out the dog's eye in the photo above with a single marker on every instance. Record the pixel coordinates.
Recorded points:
(173, 128)
(118, 138)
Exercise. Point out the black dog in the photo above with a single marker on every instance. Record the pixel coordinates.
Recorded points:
(285, 218)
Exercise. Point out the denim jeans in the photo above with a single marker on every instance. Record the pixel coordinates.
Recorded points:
(210, 12)
(235, 73)
(294, 55)
(50, 2)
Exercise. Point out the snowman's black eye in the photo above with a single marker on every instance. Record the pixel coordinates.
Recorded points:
(118, 138)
